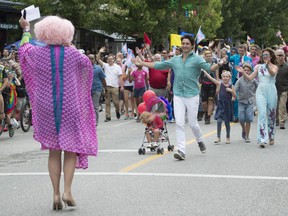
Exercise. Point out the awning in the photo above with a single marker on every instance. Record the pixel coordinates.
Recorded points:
(17, 44)
(115, 36)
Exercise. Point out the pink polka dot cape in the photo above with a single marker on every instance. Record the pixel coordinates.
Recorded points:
(58, 80)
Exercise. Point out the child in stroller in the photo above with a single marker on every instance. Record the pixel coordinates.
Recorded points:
(156, 130)
(153, 126)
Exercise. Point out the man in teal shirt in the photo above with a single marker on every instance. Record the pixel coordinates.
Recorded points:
(187, 69)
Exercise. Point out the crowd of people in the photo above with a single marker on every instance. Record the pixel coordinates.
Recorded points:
(229, 82)
(233, 91)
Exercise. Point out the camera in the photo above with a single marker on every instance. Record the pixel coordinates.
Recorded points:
(13, 48)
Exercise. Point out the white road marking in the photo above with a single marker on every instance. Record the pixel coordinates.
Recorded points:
(155, 175)
(117, 150)
(127, 122)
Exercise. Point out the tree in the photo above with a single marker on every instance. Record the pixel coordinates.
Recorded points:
(206, 14)
(133, 17)
(260, 19)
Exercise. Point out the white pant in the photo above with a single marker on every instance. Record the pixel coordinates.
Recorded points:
(180, 106)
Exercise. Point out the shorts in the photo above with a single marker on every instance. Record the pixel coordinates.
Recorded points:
(139, 92)
(245, 112)
(128, 88)
(208, 91)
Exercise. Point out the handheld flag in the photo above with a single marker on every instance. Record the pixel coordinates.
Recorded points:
(182, 33)
(146, 39)
(278, 33)
(175, 40)
(200, 36)
(124, 49)
(130, 55)
(250, 40)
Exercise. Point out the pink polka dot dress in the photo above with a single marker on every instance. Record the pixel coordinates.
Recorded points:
(58, 80)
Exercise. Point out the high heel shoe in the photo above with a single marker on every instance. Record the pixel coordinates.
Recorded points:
(57, 204)
(68, 202)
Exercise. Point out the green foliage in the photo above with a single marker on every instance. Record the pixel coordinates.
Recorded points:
(260, 19)
(133, 17)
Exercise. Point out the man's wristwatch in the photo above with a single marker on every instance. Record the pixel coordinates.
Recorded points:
(26, 29)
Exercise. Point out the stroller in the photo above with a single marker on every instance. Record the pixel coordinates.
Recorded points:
(161, 107)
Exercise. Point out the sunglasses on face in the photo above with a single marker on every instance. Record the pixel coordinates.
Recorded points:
(265, 55)
(164, 53)
(279, 55)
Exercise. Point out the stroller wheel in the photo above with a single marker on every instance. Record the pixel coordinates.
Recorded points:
(162, 151)
(139, 151)
(143, 151)
(171, 148)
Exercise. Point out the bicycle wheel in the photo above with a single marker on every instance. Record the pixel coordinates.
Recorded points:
(2, 122)
(25, 116)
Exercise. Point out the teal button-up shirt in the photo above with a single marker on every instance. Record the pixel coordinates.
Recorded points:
(186, 73)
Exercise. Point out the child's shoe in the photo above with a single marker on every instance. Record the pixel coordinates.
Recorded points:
(155, 144)
(217, 141)
(228, 141)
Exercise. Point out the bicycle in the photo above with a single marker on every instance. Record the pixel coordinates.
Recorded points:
(26, 114)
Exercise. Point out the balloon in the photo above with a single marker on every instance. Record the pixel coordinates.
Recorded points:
(148, 94)
(141, 107)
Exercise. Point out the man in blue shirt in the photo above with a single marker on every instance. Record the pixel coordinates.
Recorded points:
(238, 60)
(97, 85)
(187, 69)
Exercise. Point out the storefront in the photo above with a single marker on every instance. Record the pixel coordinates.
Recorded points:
(91, 40)
(9, 28)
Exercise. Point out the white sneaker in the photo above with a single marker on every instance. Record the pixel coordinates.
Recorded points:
(149, 145)
(172, 121)
(155, 144)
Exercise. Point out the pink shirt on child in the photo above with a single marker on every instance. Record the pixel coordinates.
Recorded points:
(139, 78)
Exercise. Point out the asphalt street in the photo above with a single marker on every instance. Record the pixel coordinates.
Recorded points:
(230, 179)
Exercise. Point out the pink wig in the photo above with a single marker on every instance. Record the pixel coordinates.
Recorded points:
(54, 30)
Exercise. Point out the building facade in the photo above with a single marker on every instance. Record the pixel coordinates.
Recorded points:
(10, 30)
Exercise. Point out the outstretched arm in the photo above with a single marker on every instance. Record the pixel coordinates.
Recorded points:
(137, 61)
(248, 77)
(216, 82)
(138, 51)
